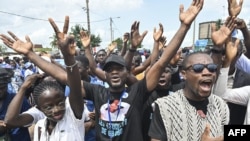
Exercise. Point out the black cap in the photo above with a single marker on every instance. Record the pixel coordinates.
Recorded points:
(113, 58)
(5, 75)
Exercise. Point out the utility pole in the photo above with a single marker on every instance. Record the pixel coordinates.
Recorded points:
(88, 21)
(193, 47)
(111, 28)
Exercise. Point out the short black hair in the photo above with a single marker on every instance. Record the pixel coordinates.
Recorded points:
(83, 59)
(101, 51)
(186, 59)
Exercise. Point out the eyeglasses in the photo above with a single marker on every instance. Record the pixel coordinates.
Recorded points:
(198, 68)
(49, 109)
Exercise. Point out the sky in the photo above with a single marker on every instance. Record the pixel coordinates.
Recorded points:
(123, 13)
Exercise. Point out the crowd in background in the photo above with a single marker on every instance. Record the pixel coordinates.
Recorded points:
(168, 93)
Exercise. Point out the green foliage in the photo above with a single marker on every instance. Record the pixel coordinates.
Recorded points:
(95, 40)
(43, 49)
(119, 42)
(218, 24)
(75, 30)
(53, 43)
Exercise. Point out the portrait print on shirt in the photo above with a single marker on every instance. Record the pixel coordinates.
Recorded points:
(113, 117)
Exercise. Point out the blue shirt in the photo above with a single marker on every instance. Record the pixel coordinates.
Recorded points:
(16, 134)
(243, 63)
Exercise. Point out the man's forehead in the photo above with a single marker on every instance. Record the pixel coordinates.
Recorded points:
(199, 58)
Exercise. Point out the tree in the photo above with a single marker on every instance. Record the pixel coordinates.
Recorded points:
(218, 24)
(95, 40)
(75, 30)
(3, 49)
(53, 42)
(119, 42)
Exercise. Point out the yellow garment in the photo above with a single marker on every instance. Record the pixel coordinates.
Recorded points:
(140, 76)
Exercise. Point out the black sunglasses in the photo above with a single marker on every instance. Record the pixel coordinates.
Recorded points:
(198, 68)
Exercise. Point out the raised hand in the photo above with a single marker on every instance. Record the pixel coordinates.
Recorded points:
(112, 46)
(234, 8)
(174, 61)
(240, 23)
(158, 34)
(31, 79)
(65, 42)
(231, 49)
(162, 42)
(189, 15)
(136, 38)
(206, 135)
(126, 37)
(220, 36)
(16, 44)
(85, 38)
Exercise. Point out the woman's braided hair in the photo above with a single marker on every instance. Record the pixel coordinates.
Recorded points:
(46, 85)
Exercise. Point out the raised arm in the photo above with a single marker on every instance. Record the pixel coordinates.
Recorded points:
(111, 49)
(85, 39)
(135, 40)
(25, 48)
(241, 25)
(220, 86)
(158, 39)
(67, 46)
(13, 117)
(220, 36)
(234, 7)
(125, 44)
(186, 18)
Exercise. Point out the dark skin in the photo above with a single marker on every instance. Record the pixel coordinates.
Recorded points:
(25, 48)
(154, 73)
(193, 81)
(13, 118)
(220, 36)
(125, 43)
(186, 19)
(135, 39)
(52, 99)
(67, 46)
(101, 57)
(85, 39)
(241, 25)
(234, 8)
(3, 92)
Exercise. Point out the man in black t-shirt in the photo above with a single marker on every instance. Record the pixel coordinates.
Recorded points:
(120, 107)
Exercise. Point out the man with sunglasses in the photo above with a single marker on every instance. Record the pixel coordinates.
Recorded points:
(185, 114)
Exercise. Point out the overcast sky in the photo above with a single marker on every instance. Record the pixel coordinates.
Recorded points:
(149, 12)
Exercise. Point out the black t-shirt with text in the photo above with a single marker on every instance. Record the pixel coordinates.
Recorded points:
(122, 123)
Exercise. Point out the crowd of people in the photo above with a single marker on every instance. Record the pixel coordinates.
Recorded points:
(115, 96)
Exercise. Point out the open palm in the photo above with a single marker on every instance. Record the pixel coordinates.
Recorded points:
(234, 8)
(189, 15)
(85, 39)
(16, 44)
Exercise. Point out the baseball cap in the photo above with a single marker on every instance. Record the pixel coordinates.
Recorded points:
(113, 58)
(5, 75)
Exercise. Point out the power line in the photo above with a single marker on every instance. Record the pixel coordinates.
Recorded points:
(38, 19)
